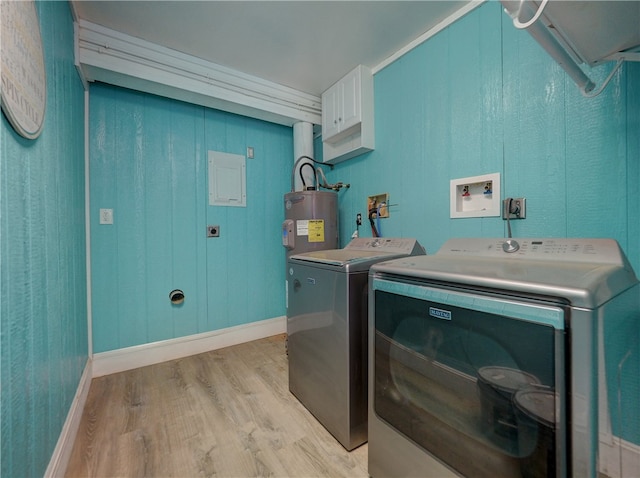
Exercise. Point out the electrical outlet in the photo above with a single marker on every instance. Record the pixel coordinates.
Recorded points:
(518, 208)
(213, 231)
(106, 216)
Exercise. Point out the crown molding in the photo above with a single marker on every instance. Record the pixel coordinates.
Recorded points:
(112, 57)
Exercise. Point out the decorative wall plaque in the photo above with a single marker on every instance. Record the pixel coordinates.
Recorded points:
(24, 82)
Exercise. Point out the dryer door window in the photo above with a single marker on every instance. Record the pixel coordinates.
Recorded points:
(475, 381)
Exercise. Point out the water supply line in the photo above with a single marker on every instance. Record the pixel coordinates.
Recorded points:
(295, 166)
(374, 229)
(335, 187)
(315, 176)
(374, 219)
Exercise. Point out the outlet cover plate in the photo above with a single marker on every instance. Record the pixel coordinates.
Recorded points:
(106, 216)
(517, 202)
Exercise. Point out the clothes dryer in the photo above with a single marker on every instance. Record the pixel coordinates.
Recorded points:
(499, 357)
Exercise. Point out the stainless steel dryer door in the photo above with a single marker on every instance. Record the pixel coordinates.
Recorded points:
(476, 380)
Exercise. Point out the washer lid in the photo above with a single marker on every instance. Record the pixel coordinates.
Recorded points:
(587, 272)
(339, 257)
(361, 252)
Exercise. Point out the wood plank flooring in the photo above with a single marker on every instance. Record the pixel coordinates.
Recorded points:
(225, 413)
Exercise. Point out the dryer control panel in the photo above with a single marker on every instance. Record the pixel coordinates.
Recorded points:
(606, 251)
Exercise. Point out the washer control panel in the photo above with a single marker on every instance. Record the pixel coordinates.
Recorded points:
(389, 245)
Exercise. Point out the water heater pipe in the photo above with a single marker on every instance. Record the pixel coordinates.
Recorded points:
(302, 146)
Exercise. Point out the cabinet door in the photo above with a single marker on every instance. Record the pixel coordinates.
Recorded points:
(331, 112)
(350, 89)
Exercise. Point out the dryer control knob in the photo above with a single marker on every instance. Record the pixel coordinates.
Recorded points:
(510, 245)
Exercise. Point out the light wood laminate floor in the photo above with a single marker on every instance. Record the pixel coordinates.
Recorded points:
(225, 413)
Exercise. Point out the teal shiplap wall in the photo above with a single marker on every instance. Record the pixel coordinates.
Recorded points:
(482, 97)
(43, 306)
(438, 117)
(149, 164)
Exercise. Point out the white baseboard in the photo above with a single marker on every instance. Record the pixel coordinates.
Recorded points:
(114, 361)
(60, 459)
(619, 458)
(133, 357)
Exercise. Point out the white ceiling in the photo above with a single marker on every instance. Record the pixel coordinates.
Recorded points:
(304, 44)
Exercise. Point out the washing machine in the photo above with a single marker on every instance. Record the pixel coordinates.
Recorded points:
(327, 301)
(499, 357)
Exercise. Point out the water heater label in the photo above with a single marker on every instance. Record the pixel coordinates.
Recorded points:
(316, 230)
(302, 227)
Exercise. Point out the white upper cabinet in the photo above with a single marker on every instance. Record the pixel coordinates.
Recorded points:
(341, 112)
(330, 115)
(347, 116)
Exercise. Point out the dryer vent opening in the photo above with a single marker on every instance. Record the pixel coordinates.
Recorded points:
(176, 297)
